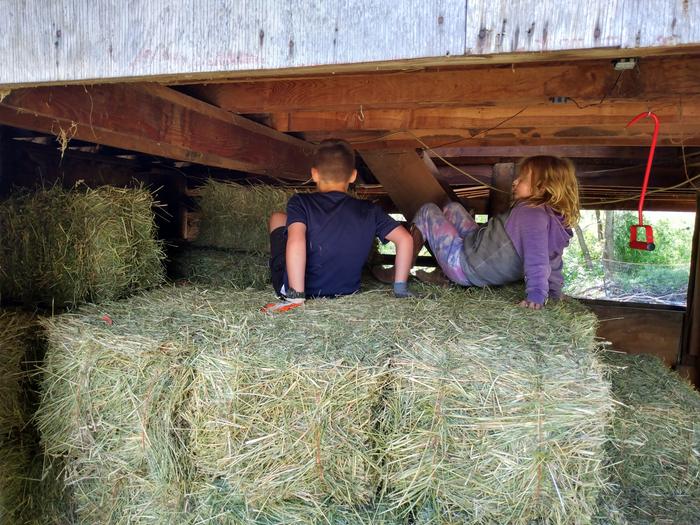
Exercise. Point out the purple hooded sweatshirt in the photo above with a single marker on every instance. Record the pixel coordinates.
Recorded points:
(539, 236)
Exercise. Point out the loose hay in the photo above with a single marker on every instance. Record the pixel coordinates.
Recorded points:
(655, 442)
(503, 424)
(194, 407)
(31, 490)
(235, 217)
(59, 248)
(14, 464)
(222, 268)
(16, 337)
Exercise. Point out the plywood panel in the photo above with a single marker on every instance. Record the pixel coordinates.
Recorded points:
(83, 40)
(523, 25)
(50, 40)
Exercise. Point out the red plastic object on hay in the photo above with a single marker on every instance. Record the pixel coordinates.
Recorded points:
(648, 242)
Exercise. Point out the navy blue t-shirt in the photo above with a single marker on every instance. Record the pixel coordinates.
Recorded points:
(340, 231)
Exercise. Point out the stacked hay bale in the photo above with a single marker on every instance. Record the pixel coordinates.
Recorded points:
(59, 248)
(15, 343)
(31, 491)
(232, 269)
(194, 407)
(235, 217)
(655, 443)
(232, 247)
(505, 423)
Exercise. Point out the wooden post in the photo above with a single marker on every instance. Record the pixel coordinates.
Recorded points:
(406, 178)
(503, 176)
(689, 357)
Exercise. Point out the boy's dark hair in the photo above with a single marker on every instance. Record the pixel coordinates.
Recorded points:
(335, 160)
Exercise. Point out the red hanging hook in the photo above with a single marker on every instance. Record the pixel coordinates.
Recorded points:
(648, 243)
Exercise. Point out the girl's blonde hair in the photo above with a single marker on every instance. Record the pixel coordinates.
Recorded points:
(554, 183)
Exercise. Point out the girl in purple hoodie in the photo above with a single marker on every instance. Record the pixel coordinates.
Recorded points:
(526, 242)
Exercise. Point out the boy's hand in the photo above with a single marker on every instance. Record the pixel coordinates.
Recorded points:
(529, 304)
(281, 307)
(401, 290)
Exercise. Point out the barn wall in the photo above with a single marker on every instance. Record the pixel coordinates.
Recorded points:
(73, 40)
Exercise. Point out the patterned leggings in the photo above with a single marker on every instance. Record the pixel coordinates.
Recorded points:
(444, 230)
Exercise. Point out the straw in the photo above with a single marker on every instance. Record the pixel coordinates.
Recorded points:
(503, 424)
(16, 342)
(192, 406)
(59, 248)
(655, 442)
(222, 268)
(235, 217)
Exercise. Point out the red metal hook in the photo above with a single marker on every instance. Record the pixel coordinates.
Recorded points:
(648, 243)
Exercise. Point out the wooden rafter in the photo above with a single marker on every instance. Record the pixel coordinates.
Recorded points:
(159, 121)
(521, 85)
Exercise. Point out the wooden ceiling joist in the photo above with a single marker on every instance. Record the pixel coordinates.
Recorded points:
(519, 85)
(160, 121)
(545, 113)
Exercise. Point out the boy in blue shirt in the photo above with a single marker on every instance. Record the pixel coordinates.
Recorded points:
(319, 247)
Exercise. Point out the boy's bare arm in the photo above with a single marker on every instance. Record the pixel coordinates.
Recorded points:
(296, 255)
(404, 252)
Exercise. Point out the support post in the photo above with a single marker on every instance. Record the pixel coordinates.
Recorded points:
(503, 176)
(406, 178)
(689, 356)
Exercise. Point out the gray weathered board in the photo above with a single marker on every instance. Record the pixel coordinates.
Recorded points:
(50, 41)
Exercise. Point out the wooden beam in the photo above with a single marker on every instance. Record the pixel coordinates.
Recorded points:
(515, 85)
(502, 180)
(608, 113)
(406, 178)
(582, 151)
(158, 121)
(507, 137)
(690, 349)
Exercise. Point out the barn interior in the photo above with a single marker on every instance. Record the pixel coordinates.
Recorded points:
(422, 134)
(138, 396)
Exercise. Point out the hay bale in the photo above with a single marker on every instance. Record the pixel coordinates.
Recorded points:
(59, 248)
(109, 399)
(16, 344)
(503, 424)
(14, 466)
(193, 405)
(655, 441)
(222, 268)
(235, 217)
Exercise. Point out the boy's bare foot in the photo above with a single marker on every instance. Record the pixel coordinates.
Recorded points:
(383, 275)
(434, 277)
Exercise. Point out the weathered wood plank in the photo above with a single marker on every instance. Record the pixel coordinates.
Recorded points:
(596, 152)
(52, 40)
(614, 113)
(639, 329)
(502, 179)
(159, 121)
(84, 40)
(523, 25)
(690, 350)
(670, 23)
(406, 178)
(515, 87)
(670, 135)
